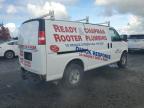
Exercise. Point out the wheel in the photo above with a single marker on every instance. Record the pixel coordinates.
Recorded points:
(123, 61)
(72, 76)
(9, 54)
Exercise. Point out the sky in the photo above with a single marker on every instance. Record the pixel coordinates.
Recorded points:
(125, 16)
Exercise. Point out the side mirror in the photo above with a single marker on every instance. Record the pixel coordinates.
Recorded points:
(124, 38)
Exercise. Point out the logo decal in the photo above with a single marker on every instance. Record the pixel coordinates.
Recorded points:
(54, 48)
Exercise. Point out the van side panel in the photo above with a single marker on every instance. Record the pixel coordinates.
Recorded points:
(64, 40)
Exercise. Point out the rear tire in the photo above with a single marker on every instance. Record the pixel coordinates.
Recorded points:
(123, 61)
(72, 76)
(9, 55)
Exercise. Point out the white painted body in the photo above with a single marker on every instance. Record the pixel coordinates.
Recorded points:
(52, 64)
(136, 42)
(9, 46)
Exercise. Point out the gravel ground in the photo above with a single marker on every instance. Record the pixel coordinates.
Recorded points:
(106, 87)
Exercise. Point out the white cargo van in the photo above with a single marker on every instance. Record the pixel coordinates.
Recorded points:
(56, 49)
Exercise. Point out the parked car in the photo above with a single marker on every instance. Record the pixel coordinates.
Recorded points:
(9, 49)
(135, 42)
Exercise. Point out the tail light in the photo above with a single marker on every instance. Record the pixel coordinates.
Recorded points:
(41, 38)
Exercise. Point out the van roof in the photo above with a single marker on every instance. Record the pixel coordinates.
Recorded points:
(32, 20)
(40, 19)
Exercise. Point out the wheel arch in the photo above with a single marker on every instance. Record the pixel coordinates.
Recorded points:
(8, 51)
(125, 51)
(120, 63)
(75, 61)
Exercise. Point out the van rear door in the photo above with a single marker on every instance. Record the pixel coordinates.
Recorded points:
(32, 47)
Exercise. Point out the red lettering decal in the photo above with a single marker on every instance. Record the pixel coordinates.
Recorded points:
(63, 38)
(80, 38)
(57, 38)
(62, 29)
(68, 38)
(75, 29)
(56, 28)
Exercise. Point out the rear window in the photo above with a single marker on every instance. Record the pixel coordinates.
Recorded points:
(136, 37)
(29, 32)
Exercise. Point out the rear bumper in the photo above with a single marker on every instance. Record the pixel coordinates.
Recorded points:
(32, 76)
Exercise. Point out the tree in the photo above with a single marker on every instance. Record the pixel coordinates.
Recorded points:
(4, 33)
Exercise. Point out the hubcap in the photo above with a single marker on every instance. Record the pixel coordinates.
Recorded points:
(9, 55)
(74, 77)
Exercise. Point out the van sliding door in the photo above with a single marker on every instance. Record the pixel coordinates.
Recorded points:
(97, 38)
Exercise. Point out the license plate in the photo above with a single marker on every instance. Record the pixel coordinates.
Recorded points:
(28, 56)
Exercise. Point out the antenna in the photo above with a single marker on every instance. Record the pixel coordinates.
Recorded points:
(85, 19)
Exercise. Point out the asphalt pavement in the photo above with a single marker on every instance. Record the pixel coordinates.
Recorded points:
(105, 87)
